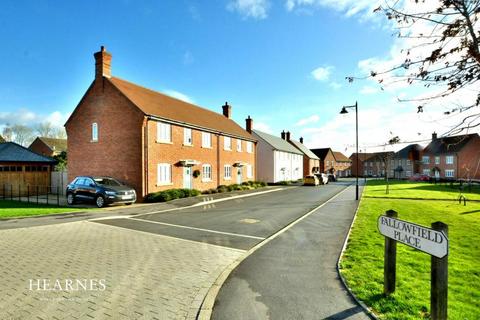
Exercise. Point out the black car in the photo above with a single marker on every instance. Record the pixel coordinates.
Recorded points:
(101, 190)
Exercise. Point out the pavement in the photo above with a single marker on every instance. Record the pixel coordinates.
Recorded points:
(159, 264)
(294, 275)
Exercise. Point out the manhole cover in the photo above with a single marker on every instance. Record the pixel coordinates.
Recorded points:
(249, 220)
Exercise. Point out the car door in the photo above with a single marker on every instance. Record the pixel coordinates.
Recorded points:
(89, 189)
(78, 188)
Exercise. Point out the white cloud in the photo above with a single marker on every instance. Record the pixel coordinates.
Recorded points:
(312, 119)
(256, 9)
(261, 126)
(322, 73)
(178, 95)
(368, 90)
(335, 85)
(347, 7)
(28, 117)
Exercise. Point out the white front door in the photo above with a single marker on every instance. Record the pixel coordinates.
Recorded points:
(187, 177)
(437, 174)
(239, 175)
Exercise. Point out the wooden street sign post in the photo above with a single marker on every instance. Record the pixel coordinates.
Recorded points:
(433, 241)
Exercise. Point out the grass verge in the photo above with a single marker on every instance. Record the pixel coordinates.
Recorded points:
(362, 263)
(10, 209)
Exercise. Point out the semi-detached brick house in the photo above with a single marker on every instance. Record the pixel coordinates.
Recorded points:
(152, 141)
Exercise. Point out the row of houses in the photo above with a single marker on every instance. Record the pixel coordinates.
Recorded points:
(454, 157)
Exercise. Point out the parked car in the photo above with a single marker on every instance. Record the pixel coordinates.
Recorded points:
(322, 177)
(332, 177)
(419, 177)
(311, 181)
(101, 190)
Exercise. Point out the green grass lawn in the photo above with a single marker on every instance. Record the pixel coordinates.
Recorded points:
(10, 209)
(362, 264)
(410, 189)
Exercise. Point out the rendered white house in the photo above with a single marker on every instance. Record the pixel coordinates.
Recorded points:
(277, 159)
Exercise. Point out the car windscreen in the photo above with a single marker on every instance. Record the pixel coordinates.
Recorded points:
(107, 182)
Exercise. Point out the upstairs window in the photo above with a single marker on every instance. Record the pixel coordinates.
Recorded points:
(426, 160)
(227, 143)
(164, 132)
(187, 136)
(206, 140)
(94, 132)
(437, 160)
(449, 159)
(239, 145)
(249, 146)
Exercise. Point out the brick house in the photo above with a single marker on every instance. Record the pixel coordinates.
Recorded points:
(48, 146)
(311, 162)
(378, 164)
(456, 157)
(342, 165)
(406, 162)
(152, 141)
(362, 169)
(327, 159)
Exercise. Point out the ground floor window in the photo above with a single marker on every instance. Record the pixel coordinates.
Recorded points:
(408, 173)
(164, 173)
(449, 173)
(206, 172)
(249, 171)
(227, 172)
(426, 172)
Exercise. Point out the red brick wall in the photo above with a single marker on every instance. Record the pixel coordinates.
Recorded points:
(216, 156)
(40, 147)
(469, 160)
(118, 152)
(309, 165)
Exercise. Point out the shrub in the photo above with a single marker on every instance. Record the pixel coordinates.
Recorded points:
(171, 194)
(222, 188)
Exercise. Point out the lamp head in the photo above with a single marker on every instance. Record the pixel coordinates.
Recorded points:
(344, 110)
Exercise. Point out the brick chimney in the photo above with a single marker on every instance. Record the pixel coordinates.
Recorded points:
(103, 61)
(301, 140)
(288, 136)
(282, 135)
(249, 124)
(434, 136)
(227, 110)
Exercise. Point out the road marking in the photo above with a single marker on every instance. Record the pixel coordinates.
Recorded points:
(199, 229)
(206, 308)
(248, 220)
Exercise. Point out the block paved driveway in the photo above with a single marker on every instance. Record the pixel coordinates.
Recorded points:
(156, 266)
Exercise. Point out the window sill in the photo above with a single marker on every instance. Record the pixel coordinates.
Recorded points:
(187, 145)
(164, 184)
(206, 147)
(207, 180)
(227, 178)
(227, 149)
(93, 141)
(164, 142)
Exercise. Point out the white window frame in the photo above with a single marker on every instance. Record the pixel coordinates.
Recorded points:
(449, 160)
(249, 147)
(239, 145)
(94, 132)
(164, 174)
(187, 137)
(227, 172)
(426, 172)
(227, 143)
(164, 132)
(249, 171)
(437, 159)
(206, 140)
(206, 173)
(426, 160)
(449, 173)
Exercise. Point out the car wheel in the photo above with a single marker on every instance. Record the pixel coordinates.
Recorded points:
(70, 199)
(100, 201)
(128, 203)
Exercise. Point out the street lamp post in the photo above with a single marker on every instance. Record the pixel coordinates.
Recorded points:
(344, 110)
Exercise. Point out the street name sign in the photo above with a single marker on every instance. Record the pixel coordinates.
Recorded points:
(424, 239)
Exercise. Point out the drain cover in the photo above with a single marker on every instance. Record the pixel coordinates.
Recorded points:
(249, 220)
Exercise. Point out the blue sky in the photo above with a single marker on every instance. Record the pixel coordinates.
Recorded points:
(258, 55)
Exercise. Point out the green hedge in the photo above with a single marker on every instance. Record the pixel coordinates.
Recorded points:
(171, 194)
(249, 185)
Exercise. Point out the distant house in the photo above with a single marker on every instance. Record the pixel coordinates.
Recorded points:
(278, 160)
(311, 162)
(406, 162)
(48, 146)
(342, 165)
(456, 157)
(21, 167)
(327, 159)
(154, 142)
(362, 168)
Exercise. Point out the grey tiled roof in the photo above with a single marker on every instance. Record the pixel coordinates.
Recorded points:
(276, 142)
(304, 149)
(449, 144)
(12, 152)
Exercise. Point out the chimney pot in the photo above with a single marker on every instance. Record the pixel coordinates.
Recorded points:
(249, 124)
(434, 136)
(282, 135)
(227, 110)
(288, 136)
(301, 140)
(103, 60)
